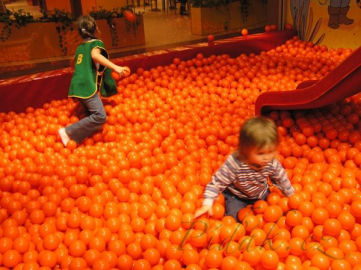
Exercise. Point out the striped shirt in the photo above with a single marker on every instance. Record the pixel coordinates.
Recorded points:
(246, 182)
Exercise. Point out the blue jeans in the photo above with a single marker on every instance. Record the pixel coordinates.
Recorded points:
(233, 203)
(90, 124)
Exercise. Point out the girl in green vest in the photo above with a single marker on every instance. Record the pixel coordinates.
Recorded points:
(92, 74)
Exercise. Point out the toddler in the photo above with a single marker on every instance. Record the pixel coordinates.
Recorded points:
(243, 178)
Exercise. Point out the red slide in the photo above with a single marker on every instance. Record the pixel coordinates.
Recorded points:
(342, 82)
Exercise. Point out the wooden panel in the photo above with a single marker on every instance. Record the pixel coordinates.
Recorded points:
(58, 4)
(89, 5)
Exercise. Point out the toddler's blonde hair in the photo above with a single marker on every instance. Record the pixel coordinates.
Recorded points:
(257, 132)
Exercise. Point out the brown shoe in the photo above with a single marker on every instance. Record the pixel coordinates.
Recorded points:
(333, 13)
(342, 18)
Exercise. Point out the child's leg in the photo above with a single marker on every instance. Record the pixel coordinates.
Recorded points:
(233, 204)
(88, 125)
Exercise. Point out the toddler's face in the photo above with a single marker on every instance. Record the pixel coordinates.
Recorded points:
(259, 157)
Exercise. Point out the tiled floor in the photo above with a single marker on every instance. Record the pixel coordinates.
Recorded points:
(163, 29)
(167, 29)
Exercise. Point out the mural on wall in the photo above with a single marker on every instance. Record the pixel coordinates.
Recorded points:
(334, 23)
(302, 16)
(337, 11)
(299, 10)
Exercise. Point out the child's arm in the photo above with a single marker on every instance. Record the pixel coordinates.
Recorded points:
(99, 58)
(202, 210)
(220, 181)
(280, 179)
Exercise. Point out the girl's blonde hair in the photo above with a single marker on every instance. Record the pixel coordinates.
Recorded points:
(257, 132)
(86, 26)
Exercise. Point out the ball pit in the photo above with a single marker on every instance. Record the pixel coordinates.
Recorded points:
(125, 198)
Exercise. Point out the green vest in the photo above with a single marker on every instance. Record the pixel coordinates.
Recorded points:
(86, 80)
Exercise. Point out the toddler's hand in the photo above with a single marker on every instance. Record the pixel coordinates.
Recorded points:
(204, 209)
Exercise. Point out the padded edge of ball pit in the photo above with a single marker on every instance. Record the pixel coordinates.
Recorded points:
(232, 46)
(342, 82)
(37, 89)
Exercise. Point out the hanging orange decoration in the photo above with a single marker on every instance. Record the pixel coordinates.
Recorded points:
(130, 16)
